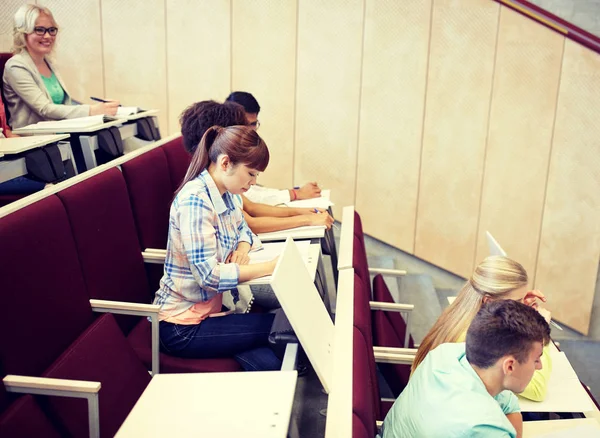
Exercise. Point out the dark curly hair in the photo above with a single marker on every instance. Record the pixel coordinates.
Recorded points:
(200, 116)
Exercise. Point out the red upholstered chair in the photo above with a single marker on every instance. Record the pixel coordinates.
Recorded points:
(100, 354)
(150, 193)
(178, 159)
(390, 330)
(42, 288)
(26, 419)
(110, 255)
(363, 407)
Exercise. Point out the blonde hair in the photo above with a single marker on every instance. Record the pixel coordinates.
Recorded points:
(24, 22)
(494, 278)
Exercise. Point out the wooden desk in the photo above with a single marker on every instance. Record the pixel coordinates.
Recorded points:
(242, 404)
(579, 427)
(18, 145)
(565, 393)
(311, 263)
(13, 168)
(308, 232)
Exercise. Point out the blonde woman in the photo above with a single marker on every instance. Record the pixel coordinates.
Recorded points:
(33, 89)
(496, 278)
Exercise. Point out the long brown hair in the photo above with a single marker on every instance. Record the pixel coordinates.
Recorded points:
(495, 277)
(240, 143)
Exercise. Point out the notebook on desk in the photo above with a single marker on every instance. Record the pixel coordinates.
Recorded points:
(79, 122)
(124, 111)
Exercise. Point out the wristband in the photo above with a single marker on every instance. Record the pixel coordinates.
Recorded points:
(295, 195)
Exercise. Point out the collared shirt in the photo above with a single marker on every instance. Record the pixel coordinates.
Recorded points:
(204, 228)
(445, 398)
(267, 195)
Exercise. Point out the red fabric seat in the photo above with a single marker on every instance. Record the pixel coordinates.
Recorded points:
(25, 419)
(112, 263)
(43, 290)
(178, 159)
(362, 401)
(100, 354)
(389, 329)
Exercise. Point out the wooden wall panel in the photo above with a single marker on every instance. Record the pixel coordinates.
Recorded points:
(570, 240)
(328, 95)
(198, 53)
(264, 64)
(526, 80)
(8, 9)
(391, 118)
(79, 59)
(461, 63)
(134, 54)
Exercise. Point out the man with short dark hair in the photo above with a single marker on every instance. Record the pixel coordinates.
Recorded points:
(266, 195)
(466, 389)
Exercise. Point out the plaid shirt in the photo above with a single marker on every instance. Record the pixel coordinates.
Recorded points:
(204, 228)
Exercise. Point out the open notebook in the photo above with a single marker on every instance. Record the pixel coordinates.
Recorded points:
(79, 122)
(124, 111)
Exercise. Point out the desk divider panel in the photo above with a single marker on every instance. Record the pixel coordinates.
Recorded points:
(339, 405)
(305, 310)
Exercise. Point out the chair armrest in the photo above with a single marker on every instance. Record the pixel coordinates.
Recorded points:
(60, 388)
(125, 308)
(155, 256)
(157, 251)
(48, 386)
(391, 307)
(290, 357)
(395, 350)
(397, 359)
(387, 272)
(136, 309)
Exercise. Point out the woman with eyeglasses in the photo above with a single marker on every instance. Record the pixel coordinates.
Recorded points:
(33, 88)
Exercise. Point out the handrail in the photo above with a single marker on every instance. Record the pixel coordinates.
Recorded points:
(551, 21)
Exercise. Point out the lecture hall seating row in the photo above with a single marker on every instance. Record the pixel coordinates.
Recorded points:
(61, 253)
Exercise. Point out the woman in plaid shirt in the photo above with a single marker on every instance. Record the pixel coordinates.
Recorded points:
(207, 254)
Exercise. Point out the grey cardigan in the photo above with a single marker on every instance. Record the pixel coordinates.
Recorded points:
(27, 98)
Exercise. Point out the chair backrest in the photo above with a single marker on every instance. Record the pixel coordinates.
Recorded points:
(106, 239)
(178, 159)
(43, 290)
(24, 418)
(5, 115)
(100, 354)
(362, 384)
(362, 322)
(359, 255)
(389, 330)
(150, 192)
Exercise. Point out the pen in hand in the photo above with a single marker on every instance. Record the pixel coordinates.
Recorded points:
(97, 99)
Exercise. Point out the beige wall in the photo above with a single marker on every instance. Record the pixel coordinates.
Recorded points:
(439, 119)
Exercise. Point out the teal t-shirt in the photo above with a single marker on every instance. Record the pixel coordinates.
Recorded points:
(54, 89)
(445, 398)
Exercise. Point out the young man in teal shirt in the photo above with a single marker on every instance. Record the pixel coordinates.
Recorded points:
(466, 389)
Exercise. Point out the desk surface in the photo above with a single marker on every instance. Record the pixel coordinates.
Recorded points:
(311, 263)
(78, 130)
(565, 392)
(323, 201)
(243, 404)
(579, 427)
(309, 232)
(16, 145)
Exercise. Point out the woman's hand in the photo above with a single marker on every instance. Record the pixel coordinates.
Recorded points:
(240, 254)
(109, 108)
(531, 297)
(320, 219)
(301, 211)
(308, 191)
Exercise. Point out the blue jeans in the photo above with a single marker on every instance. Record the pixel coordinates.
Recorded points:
(21, 185)
(243, 336)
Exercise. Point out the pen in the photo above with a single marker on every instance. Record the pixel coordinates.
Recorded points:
(97, 99)
(555, 325)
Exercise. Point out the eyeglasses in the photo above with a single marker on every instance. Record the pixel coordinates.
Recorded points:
(41, 30)
(255, 124)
